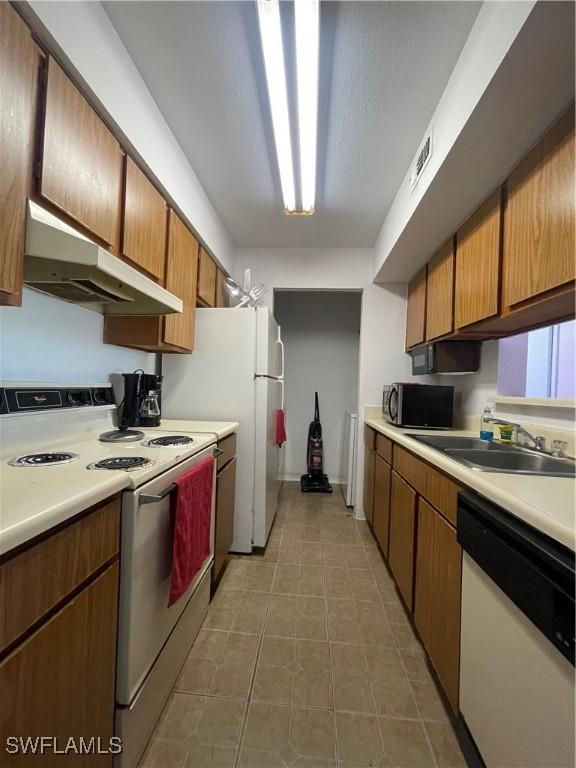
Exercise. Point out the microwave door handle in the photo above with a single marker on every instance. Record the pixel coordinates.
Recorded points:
(146, 498)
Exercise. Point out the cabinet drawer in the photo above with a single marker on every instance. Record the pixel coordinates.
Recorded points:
(228, 446)
(441, 492)
(384, 447)
(37, 579)
(369, 438)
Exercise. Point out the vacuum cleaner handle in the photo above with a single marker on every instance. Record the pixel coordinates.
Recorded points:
(316, 408)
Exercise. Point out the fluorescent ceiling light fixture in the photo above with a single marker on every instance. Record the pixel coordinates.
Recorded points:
(307, 22)
(273, 50)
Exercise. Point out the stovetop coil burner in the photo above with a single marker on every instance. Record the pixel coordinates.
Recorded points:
(169, 441)
(43, 459)
(127, 463)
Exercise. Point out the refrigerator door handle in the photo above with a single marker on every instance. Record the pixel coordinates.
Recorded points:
(282, 353)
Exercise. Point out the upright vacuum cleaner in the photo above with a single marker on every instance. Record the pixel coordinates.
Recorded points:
(315, 481)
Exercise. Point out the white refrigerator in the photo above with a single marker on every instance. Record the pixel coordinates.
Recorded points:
(236, 373)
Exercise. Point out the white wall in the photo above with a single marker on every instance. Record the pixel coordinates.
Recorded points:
(47, 339)
(89, 42)
(383, 313)
(321, 333)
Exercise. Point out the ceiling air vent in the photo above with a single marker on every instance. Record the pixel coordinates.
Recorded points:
(423, 156)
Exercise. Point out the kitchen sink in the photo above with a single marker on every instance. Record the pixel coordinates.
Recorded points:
(488, 456)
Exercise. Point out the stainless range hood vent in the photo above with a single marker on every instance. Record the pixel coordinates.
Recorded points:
(64, 263)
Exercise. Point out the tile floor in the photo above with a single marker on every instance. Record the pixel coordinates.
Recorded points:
(306, 659)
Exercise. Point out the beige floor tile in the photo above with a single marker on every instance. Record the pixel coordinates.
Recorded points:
(311, 627)
(282, 615)
(220, 722)
(267, 727)
(312, 733)
(358, 739)
(405, 743)
(397, 613)
(444, 745)
(348, 658)
(429, 701)
(220, 668)
(280, 651)
(312, 655)
(415, 664)
(273, 683)
(209, 644)
(394, 697)
(405, 636)
(180, 716)
(241, 612)
(291, 736)
(344, 630)
(287, 579)
(313, 689)
(377, 629)
(385, 662)
(360, 576)
(353, 693)
(163, 753)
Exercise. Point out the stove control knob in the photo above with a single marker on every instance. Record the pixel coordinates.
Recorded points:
(102, 396)
(78, 397)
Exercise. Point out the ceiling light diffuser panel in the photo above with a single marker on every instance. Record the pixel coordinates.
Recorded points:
(273, 51)
(307, 31)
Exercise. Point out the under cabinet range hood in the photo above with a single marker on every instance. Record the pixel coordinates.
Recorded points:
(62, 262)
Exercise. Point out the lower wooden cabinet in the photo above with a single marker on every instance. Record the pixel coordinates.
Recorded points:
(225, 499)
(402, 536)
(369, 465)
(60, 681)
(381, 520)
(437, 596)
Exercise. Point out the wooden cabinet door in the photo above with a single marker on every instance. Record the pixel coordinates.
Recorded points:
(478, 264)
(181, 276)
(206, 279)
(145, 216)
(424, 581)
(19, 61)
(416, 310)
(81, 160)
(381, 522)
(445, 648)
(539, 218)
(402, 536)
(60, 682)
(224, 533)
(222, 297)
(440, 292)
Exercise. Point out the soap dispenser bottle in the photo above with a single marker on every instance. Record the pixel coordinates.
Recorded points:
(486, 426)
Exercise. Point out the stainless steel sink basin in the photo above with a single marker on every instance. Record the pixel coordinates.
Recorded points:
(515, 461)
(489, 456)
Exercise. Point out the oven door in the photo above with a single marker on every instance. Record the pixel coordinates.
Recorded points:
(145, 621)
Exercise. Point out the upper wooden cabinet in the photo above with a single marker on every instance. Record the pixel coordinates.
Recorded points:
(222, 298)
(181, 278)
(416, 310)
(478, 264)
(81, 160)
(440, 292)
(539, 220)
(206, 279)
(145, 214)
(174, 332)
(19, 62)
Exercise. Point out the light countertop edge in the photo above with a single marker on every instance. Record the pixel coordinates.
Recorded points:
(62, 511)
(546, 503)
(220, 429)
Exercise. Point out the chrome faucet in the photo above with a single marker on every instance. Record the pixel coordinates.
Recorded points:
(538, 441)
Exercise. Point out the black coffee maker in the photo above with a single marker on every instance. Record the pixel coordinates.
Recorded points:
(141, 406)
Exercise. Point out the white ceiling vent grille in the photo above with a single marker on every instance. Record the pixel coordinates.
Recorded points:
(422, 158)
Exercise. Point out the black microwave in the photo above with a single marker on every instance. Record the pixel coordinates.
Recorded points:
(446, 357)
(419, 405)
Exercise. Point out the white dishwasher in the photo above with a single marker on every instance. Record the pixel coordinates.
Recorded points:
(517, 641)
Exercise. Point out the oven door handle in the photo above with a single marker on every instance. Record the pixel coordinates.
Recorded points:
(146, 498)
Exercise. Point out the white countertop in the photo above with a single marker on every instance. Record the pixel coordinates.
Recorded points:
(547, 503)
(35, 499)
(219, 428)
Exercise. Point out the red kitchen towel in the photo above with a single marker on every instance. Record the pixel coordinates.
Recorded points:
(280, 426)
(191, 507)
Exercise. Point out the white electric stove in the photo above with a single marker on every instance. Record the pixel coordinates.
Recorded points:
(53, 465)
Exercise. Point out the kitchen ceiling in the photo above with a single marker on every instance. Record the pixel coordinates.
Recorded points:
(384, 66)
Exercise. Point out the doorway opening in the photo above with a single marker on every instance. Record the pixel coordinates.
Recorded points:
(321, 334)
